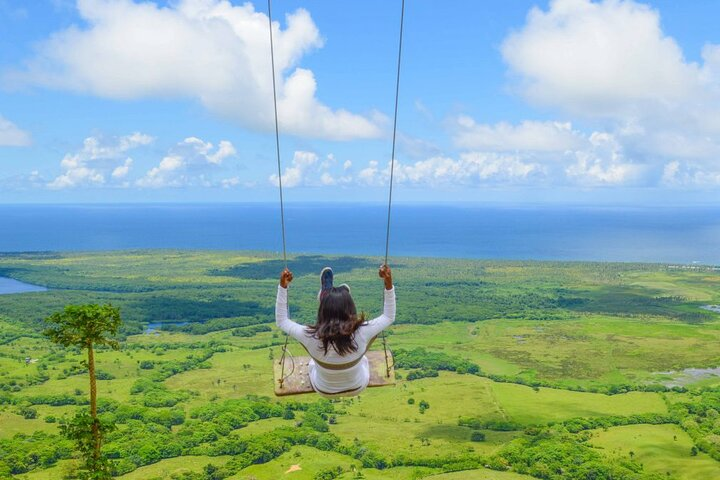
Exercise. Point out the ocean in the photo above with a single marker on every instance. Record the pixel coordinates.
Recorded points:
(672, 235)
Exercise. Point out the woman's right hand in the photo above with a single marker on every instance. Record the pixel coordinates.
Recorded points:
(286, 277)
(386, 274)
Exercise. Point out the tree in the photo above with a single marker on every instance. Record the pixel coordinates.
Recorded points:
(87, 326)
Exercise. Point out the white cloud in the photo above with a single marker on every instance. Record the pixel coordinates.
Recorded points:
(208, 50)
(11, 135)
(370, 174)
(610, 63)
(122, 170)
(190, 163)
(689, 174)
(528, 135)
(327, 179)
(294, 175)
(98, 161)
(598, 57)
(470, 169)
(225, 150)
(307, 170)
(603, 164)
(529, 153)
(547, 152)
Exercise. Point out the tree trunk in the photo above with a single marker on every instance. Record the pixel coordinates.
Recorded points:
(93, 402)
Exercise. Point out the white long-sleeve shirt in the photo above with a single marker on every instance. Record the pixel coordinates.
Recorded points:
(352, 380)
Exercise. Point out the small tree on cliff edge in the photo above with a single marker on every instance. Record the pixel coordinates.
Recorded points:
(87, 326)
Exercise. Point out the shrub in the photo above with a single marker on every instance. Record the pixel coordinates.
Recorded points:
(27, 413)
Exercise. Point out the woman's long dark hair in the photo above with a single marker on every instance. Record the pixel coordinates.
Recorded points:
(337, 321)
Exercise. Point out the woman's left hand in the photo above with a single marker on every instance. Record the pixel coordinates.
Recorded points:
(386, 274)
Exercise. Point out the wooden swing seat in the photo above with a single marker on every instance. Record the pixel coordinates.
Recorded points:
(298, 382)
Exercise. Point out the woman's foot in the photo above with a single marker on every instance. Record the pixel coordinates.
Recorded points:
(326, 281)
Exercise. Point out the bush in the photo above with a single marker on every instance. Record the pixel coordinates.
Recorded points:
(477, 436)
(496, 425)
(429, 363)
(158, 397)
(329, 473)
(27, 413)
(424, 373)
(102, 375)
(315, 421)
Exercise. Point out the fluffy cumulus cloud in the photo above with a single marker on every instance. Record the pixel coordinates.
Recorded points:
(689, 174)
(11, 135)
(603, 163)
(106, 162)
(610, 64)
(469, 169)
(309, 170)
(596, 57)
(208, 50)
(500, 155)
(192, 162)
(649, 115)
(558, 153)
(99, 162)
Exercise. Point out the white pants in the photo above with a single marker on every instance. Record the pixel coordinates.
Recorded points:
(345, 393)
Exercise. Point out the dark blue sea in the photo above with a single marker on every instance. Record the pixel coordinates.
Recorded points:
(674, 235)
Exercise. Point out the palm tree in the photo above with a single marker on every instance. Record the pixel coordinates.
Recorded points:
(87, 326)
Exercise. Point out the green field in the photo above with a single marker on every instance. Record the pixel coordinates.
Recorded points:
(663, 449)
(556, 370)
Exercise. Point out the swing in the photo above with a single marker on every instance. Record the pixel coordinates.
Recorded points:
(291, 374)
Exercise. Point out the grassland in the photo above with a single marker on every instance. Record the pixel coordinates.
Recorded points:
(547, 340)
(663, 449)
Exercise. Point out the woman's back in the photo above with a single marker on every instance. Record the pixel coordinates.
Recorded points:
(330, 372)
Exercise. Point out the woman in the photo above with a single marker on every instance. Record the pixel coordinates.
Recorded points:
(339, 339)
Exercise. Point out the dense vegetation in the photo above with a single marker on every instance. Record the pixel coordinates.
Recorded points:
(506, 370)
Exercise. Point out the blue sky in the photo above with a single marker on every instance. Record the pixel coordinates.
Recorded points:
(566, 101)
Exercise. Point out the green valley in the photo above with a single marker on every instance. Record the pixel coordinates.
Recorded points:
(506, 370)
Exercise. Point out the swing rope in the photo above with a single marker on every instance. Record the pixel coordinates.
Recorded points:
(282, 204)
(392, 157)
(277, 134)
(285, 351)
(392, 171)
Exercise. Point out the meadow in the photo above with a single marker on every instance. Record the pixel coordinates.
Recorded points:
(506, 370)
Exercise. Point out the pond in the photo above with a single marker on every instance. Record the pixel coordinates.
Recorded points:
(688, 376)
(155, 327)
(10, 285)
